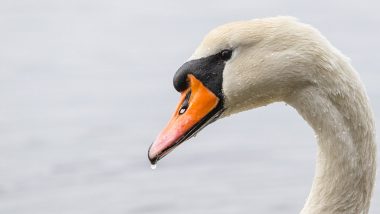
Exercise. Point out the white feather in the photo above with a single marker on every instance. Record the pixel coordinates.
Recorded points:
(280, 59)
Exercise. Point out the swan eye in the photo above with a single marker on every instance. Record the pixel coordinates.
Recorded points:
(226, 54)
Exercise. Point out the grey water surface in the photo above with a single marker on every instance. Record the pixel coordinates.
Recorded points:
(85, 86)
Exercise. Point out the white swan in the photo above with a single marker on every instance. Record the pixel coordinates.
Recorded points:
(248, 64)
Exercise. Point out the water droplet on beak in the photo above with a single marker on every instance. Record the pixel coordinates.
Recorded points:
(153, 166)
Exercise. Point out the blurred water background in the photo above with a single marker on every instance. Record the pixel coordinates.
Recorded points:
(85, 86)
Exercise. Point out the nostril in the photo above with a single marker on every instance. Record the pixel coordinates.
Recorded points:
(185, 104)
(182, 110)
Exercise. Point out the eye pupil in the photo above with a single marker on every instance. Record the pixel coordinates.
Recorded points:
(226, 54)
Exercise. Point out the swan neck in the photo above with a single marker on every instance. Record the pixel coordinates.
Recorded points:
(345, 167)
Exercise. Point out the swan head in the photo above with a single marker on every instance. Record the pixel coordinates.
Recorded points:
(240, 66)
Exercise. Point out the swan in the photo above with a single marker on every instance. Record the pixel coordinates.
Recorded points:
(248, 64)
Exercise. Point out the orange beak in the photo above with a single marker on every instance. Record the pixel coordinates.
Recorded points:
(197, 108)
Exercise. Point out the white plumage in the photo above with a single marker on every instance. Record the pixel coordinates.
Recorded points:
(282, 60)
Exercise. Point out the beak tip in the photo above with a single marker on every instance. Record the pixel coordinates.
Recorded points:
(152, 158)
